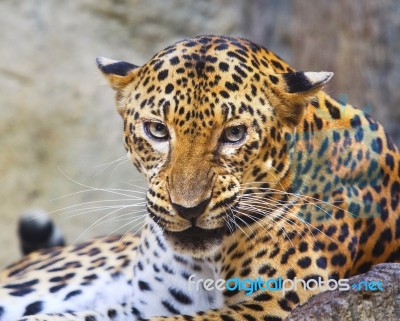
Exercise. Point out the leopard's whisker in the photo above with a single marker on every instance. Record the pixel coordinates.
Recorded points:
(275, 191)
(227, 220)
(108, 163)
(276, 179)
(133, 185)
(144, 210)
(290, 213)
(91, 188)
(126, 224)
(94, 210)
(139, 218)
(109, 190)
(85, 209)
(68, 215)
(74, 209)
(130, 230)
(267, 199)
(247, 225)
(118, 165)
(116, 162)
(132, 197)
(282, 215)
(95, 223)
(255, 220)
(301, 205)
(271, 219)
(132, 217)
(310, 203)
(235, 223)
(309, 225)
(125, 219)
(263, 201)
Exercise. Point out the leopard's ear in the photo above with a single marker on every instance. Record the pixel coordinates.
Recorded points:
(118, 73)
(296, 90)
(306, 83)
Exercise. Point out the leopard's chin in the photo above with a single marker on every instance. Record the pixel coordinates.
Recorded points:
(196, 241)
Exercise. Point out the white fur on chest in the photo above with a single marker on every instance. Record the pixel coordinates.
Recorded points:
(166, 286)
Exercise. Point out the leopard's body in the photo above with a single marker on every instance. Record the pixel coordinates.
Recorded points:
(252, 171)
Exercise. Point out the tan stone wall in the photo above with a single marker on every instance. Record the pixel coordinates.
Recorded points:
(56, 111)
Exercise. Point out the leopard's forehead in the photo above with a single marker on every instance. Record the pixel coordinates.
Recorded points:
(204, 56)
(208, 48)
(207, 75)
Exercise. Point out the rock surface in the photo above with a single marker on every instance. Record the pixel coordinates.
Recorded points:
(354, 305)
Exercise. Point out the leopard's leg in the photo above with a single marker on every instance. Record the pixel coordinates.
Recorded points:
(248, 311)
(74, 278)
(113, 313)
(251, 310)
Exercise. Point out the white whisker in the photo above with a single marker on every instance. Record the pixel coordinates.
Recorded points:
(112, 162)
(119, 161)
(96, 222)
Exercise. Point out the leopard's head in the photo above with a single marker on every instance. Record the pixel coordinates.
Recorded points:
(203, 120)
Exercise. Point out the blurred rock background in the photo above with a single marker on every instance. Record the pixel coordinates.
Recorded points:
(57, 119)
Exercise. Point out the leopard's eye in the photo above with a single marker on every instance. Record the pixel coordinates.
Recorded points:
(156, 130)
(234, 134)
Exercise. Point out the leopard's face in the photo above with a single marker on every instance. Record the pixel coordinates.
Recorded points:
(204, 120)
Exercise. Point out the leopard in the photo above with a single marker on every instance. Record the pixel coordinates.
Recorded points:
(254, 173)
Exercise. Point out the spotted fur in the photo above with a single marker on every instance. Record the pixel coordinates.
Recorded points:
(252, 169)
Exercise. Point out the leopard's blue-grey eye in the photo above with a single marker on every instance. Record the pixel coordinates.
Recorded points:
(234, 134)
(156, 130)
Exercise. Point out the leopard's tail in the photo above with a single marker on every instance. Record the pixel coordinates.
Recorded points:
(37, 231)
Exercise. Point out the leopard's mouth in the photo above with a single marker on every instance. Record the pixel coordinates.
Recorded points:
(195, 240)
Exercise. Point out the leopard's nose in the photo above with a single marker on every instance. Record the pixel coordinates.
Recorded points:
(191, 213)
